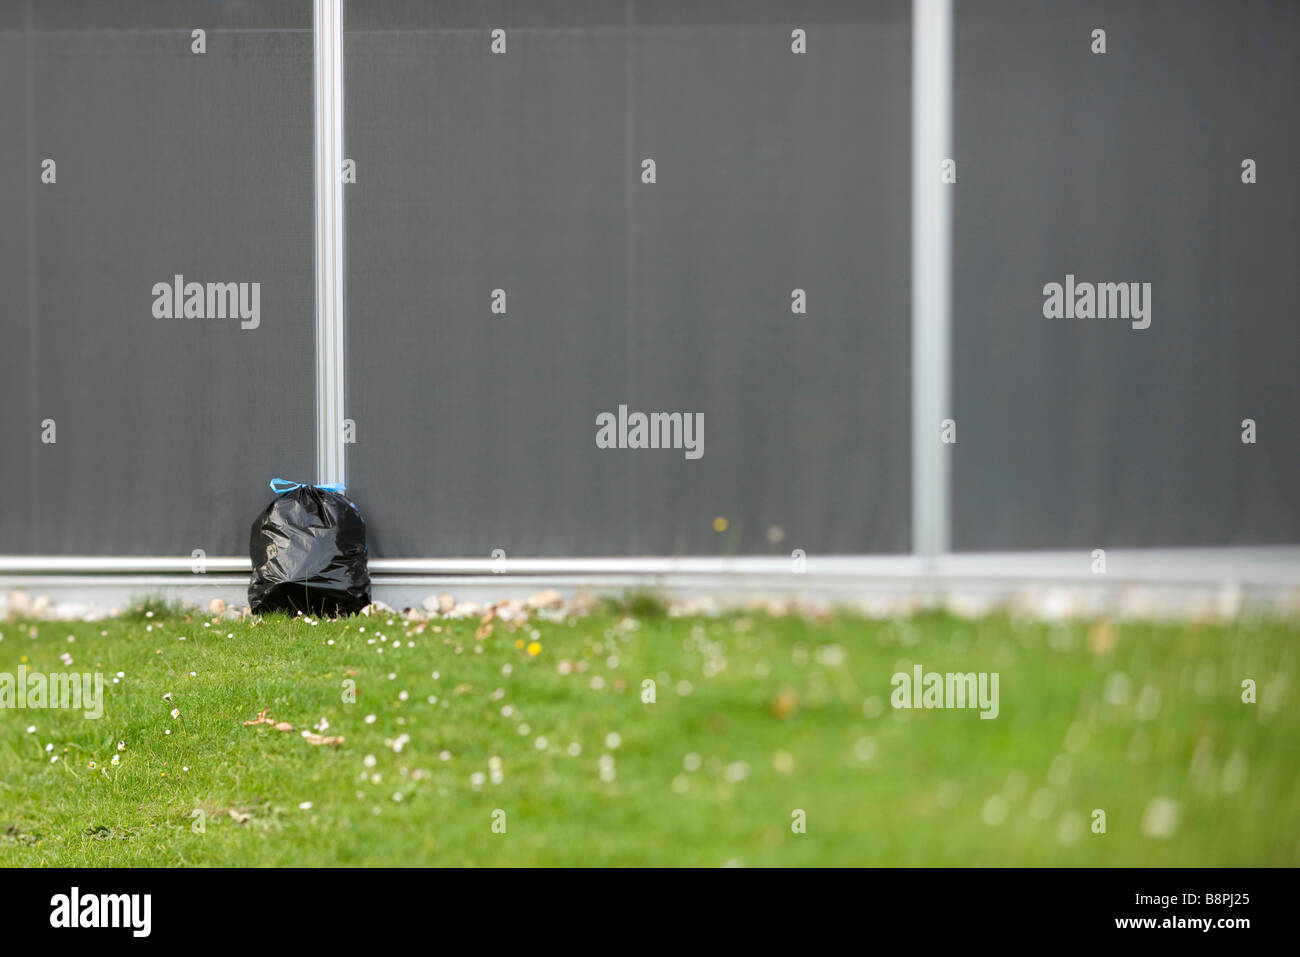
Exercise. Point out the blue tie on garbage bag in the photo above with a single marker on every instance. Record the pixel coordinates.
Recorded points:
(279, 486)
(309, 553)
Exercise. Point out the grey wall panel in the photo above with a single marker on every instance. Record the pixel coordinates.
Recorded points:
(775, 172)
(169, 162)
(1125, 167)
(18, 429)
(475, 172)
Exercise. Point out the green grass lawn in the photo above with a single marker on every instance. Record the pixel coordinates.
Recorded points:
(755, 718)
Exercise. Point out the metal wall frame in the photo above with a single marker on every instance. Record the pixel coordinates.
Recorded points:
(330, 264)
(931, 274)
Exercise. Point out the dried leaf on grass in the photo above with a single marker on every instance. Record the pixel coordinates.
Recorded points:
(332, 740)
(309, 737)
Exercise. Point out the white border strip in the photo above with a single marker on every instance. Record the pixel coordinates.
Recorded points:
(328, 68)
(1257, 565)
(931, 273)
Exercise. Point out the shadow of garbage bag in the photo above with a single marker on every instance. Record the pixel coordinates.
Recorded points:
(309, 554)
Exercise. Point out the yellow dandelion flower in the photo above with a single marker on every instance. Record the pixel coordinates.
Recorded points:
(534, 648)
(720, 524)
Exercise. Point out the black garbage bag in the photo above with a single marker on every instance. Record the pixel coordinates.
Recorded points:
(309, 552)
